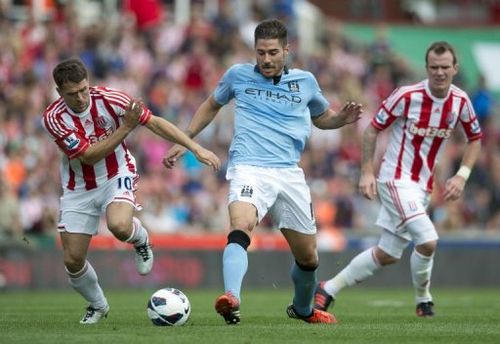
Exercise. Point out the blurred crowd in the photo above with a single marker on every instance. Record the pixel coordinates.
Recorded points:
(173, 67)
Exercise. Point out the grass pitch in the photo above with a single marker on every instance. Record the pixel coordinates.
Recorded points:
(365, 316)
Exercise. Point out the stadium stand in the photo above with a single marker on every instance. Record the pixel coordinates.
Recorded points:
(172, 65)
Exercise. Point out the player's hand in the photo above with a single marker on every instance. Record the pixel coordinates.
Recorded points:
(350, 112)
(208, 158)
(132, 114)
(453, 188)
(368, 186)
(173, 154)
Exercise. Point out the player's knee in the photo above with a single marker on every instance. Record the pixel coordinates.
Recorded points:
(243, 224)
(120, 227)
(427, 249)
(423, 234)
(73, 263)
(308, 262)
(307, 257)
(243, 216)
(384, 258)
(238, 237)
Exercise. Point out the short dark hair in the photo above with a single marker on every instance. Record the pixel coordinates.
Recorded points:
(271, 29)
(440, 48)
(72, 70)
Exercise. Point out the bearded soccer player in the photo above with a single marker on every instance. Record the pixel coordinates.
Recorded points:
(422, 117)
(99, 175)
(275, 106)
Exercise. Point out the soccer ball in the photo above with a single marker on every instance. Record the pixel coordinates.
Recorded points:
(169, 307)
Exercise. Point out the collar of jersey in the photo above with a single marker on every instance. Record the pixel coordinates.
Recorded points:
(434, 98)
(80, 114)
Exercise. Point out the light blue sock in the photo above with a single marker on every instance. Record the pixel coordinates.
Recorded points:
(234, 267)
(305, 283)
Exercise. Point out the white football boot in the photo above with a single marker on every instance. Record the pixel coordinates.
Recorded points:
(144, 258)
(93, 315)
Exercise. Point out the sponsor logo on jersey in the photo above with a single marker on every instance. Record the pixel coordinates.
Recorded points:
(293, 86)
(246, 191)
(94, 138)
(71, 141)
(273, 95)
(442, 133)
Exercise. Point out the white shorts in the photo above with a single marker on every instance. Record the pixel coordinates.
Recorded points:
(403, 203)
(81, 210)
(282, 192)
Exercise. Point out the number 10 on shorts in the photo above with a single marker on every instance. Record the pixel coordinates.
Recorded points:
(125, 182)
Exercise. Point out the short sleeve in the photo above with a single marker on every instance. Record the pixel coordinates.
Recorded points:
(224, 91)
(391, 109)
(73, 144)
(469, 121)
(318, 103)
(68, 140)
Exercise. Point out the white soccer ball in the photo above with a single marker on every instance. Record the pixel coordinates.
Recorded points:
(169, 307)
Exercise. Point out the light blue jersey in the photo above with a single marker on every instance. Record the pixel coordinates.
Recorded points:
(272, 122)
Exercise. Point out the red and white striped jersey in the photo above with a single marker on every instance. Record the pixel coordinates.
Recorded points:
(422, 123)
(75, 132)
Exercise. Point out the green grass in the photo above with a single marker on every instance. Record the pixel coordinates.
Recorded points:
(365, 316)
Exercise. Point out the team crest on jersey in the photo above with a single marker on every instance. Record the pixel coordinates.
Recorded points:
(293, 86)
(101, 121)
(246, 191)
(71, 141)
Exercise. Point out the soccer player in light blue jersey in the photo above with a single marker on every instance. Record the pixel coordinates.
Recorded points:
(274, 109)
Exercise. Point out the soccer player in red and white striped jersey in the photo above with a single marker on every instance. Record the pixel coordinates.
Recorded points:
(422, 117)
(99, 174)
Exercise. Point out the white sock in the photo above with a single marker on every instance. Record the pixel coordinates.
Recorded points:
(139, 234)
(360, 268)
(421, 270)
(85, 282)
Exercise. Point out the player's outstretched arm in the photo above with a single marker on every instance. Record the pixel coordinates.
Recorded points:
(99, 150)
(203, 116)
(349, 113)
(167, 130)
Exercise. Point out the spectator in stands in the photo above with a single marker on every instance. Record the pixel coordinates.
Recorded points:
(482, 100)
(10, 226)
(130, 63)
